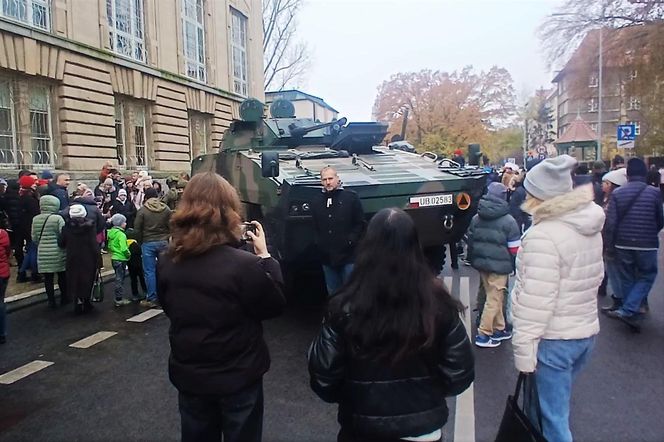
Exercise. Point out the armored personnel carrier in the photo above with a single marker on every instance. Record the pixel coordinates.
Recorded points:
(274, 163)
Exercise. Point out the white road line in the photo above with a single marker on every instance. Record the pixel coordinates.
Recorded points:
(448, 283)
(146, 315)
(21, 372)
(93, 339)
(464, 415)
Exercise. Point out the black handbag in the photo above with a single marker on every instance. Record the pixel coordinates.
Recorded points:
(515, 425)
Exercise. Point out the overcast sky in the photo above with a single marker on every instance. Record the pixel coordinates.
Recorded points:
(357, 44)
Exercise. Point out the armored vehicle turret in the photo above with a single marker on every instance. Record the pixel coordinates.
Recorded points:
(274, 163)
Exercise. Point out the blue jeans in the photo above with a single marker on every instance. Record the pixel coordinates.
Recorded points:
(613, 274)
(151, 251)
(336, 276)
(3, 307)
(638, 270)
(30, 260)
(558, 363)
(120, 268)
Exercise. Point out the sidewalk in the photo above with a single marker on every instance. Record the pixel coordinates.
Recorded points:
(21, 295)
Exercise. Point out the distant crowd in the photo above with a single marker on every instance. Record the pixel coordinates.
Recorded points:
(49, 228)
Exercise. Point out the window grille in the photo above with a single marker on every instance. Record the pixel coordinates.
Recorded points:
(35, 13)
(40, 127)
(239, 50)
(194, 38)
(198, 135)
(7, 131)
(119, 135)
(125, 28)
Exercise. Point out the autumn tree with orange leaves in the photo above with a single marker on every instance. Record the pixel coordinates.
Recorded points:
(447, 110)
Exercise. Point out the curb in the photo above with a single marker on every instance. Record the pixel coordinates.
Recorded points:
(38, 296)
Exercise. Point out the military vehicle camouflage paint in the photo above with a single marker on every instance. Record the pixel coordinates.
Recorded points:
(381, 177)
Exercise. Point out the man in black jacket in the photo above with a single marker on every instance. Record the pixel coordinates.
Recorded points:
(339, 222)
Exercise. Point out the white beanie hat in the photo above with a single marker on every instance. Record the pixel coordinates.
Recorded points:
(551, 178)
(617, 177)
(77, 211)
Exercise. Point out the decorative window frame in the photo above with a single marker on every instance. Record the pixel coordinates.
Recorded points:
(193, 16)
(134, 36)
(239, 58)
(25, 12)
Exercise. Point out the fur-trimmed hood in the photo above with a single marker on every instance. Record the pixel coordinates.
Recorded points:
(575, 209)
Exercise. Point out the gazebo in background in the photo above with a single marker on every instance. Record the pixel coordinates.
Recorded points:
(579, 141)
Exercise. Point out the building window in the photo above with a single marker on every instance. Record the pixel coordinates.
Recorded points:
(7, 131)
(125, 28)
(194, 38)
(592, 105)
(239, 49)
(637, 127)
(130, 134)
(198, 134)
(34, 13)
(119, 136)
(593, 126)
(634, 103)
(25, 124)
(593, 82)
(40, 126)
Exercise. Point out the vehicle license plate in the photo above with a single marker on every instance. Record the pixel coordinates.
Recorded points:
(431, 200)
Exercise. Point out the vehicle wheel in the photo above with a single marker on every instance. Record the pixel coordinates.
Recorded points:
(436, 258)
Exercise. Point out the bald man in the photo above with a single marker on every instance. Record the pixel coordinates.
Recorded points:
(339, 223)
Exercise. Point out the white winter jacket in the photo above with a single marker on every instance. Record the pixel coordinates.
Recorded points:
(559, 268)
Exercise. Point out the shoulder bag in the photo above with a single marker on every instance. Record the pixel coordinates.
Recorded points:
(516, 425)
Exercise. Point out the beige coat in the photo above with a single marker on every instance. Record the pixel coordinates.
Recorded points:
(559, 269)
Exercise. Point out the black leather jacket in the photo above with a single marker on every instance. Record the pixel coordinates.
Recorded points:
(379, 400)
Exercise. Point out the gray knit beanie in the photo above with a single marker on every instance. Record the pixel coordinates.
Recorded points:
(551, 178)
(118, 220)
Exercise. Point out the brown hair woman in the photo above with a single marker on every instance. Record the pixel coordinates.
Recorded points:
(216, 296)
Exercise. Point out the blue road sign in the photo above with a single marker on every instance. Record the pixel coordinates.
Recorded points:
(626, 132)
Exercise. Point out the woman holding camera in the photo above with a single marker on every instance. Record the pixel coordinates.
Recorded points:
(216, 296)
(392, 345)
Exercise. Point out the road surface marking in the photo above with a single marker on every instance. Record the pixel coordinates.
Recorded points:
(146, 315)
(21, 372)
(93, 339)
(464, 415)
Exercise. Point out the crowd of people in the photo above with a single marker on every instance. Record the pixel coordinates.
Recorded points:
(392, 344)
(50, 228)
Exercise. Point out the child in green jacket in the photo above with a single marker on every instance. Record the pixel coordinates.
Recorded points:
(117, 247)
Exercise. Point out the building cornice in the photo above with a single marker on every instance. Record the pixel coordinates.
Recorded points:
(109, 57)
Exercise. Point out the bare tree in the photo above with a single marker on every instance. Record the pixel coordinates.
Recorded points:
(562, 32)
(285, 59)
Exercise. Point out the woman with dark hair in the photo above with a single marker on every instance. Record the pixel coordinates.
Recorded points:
(392, 345)
(216, 296)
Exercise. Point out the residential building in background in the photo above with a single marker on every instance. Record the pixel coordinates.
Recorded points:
(577, 92)
(145, 84)
(306, 105)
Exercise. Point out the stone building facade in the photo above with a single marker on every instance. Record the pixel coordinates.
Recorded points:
(145, 84)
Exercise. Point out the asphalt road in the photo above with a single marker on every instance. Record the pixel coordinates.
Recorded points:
(118, 389)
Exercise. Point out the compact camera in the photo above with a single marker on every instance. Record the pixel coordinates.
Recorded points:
(247, 227)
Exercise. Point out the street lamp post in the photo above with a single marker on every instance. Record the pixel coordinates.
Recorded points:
(599, 113)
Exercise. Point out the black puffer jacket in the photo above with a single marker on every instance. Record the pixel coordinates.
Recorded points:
(379, 400)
